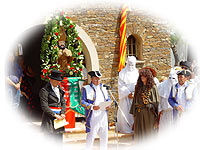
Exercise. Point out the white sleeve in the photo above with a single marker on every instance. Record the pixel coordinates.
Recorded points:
(123, 90)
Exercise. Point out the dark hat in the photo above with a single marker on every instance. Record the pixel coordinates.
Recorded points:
(185, 64)
(95, 74)
(184, 72)
(56, 75)
(180, 63)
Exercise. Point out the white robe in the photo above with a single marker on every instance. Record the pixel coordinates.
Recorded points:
(164, 88)
(126, 85)
(166, 119)
(124, 125)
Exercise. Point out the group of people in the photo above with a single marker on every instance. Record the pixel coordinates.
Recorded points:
(146, 105)
(138, 100)
(19, 82)
(53, 105)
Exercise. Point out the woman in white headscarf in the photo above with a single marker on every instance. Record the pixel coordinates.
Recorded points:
(166, 111)
(126, 86)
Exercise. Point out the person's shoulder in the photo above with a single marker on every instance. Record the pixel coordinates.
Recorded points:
(43, 92)
(86, 86)
(122, 72)
(46, 87)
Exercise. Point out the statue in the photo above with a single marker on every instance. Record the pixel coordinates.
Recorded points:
(64, 54)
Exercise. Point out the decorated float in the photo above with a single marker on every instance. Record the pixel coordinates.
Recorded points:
(61, 50)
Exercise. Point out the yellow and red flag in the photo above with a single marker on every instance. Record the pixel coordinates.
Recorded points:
(123, 37)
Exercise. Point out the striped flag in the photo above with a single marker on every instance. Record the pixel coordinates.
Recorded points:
(123, 37)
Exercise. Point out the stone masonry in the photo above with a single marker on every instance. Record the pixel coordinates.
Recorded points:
(102, 24)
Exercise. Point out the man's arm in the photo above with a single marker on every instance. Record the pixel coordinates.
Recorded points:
(172, 101)
(43, 94)
(84, 101)
(16, 86)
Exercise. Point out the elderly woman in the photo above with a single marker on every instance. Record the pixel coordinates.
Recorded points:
(145, 106)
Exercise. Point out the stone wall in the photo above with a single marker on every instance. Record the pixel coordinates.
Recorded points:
(102, 24)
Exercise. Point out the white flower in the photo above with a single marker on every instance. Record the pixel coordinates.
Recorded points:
(68, 66)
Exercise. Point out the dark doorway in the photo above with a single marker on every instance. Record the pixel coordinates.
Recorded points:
(31, 44)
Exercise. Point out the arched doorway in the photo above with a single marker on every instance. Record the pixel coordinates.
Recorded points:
(89, 50)
(31, 40)
(31, 43)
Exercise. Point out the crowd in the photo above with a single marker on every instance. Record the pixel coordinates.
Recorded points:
(146, 105)
(157, 105)
(20, 84)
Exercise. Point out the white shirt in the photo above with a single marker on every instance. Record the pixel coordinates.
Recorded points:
(98, 115)
(56, 91)
(181, 97)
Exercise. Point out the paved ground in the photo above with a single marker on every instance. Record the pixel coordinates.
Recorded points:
(76, 138)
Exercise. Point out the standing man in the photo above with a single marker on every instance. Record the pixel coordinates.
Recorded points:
(96, 119)
(181, 95)
(53, 105)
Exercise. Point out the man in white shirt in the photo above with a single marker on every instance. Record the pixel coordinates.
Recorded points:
(181, 95)
(96, 119)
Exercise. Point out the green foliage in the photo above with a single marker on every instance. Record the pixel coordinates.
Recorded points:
(49, 47)
(174, 38)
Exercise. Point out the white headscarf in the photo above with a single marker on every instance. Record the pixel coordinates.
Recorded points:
(130, 73)
(165, 87)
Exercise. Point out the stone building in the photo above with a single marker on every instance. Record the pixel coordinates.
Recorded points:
(147, 36)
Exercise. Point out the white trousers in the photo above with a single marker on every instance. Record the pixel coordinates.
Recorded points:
(99, 128)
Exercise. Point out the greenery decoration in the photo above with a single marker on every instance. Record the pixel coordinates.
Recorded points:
(50, 50)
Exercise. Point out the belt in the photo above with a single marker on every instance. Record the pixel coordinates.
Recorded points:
(56, 109)
(139, 107)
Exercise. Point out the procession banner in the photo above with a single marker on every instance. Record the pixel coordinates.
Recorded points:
(73, 97)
